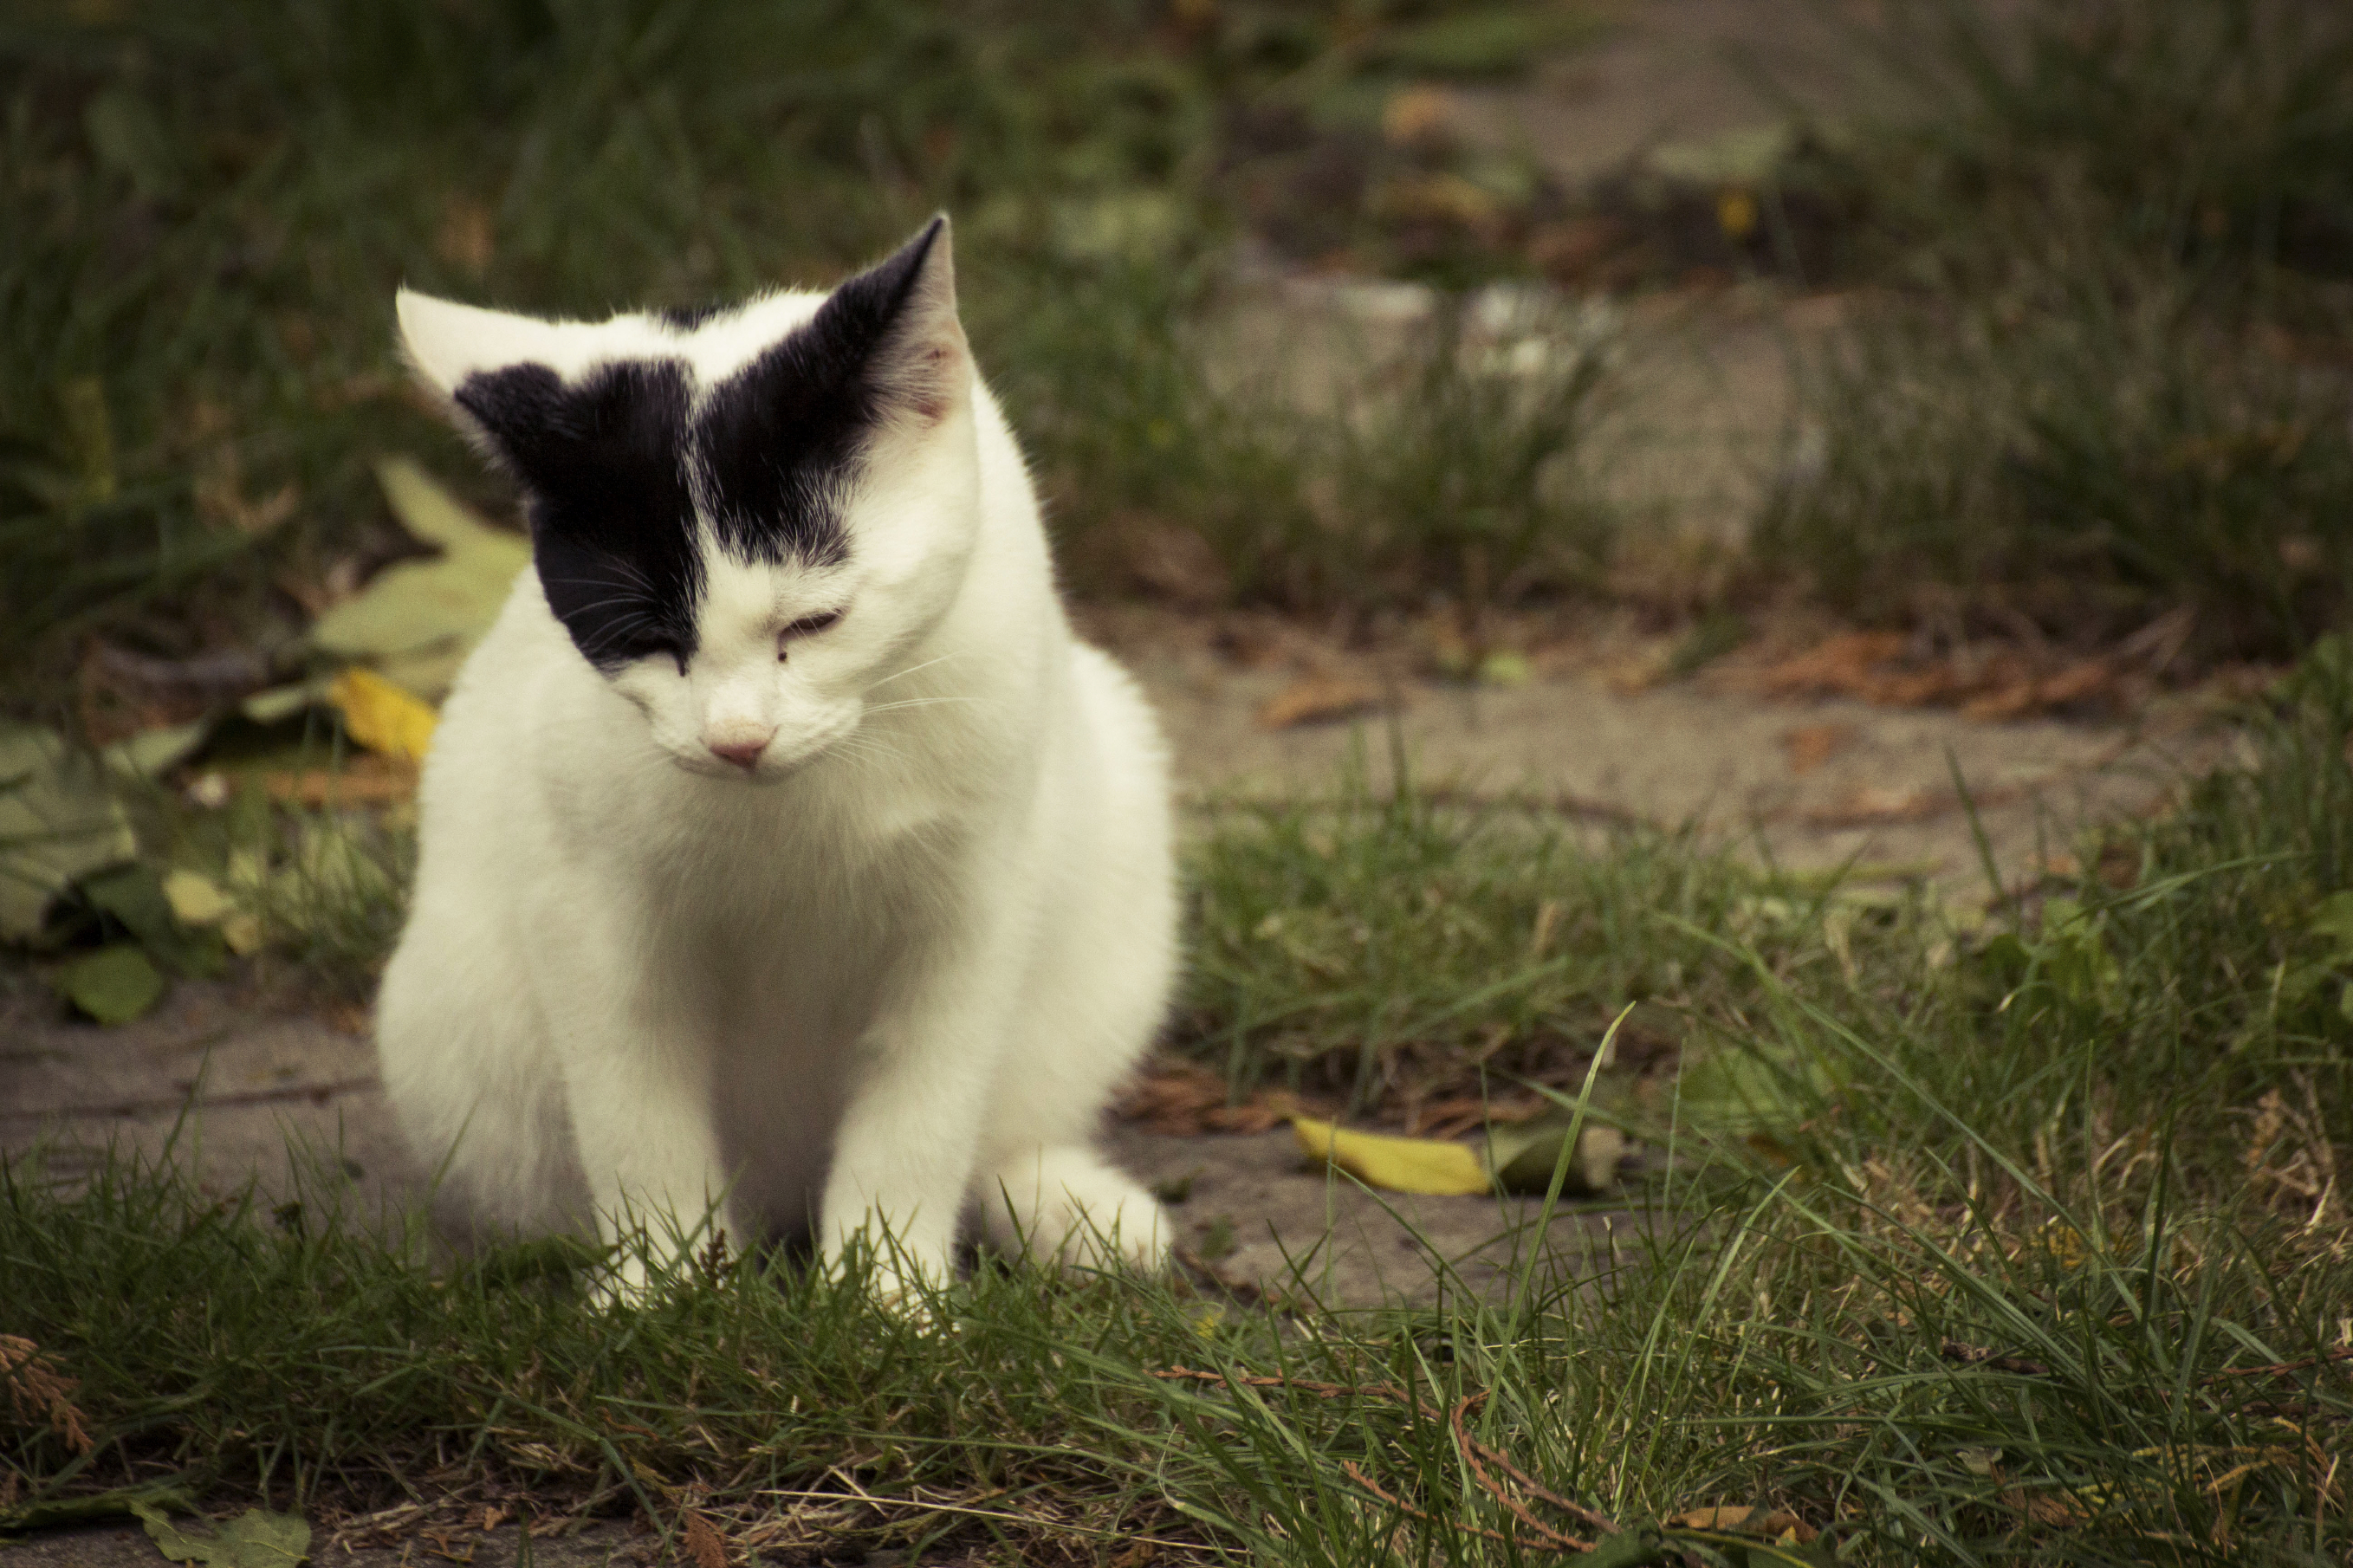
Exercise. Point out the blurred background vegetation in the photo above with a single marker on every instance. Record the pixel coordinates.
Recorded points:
(2098, 372)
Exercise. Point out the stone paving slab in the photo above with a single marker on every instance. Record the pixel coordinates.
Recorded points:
(233, 1087)
(1686, 754)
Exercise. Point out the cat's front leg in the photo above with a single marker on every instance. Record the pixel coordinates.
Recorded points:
(638, 1086)
(910, 1136)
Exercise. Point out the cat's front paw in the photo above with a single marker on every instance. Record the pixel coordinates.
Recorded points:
(1067, 1207)
(904, 1281)
(625, 1282)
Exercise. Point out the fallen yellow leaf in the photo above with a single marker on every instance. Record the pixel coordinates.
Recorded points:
(1398, 1165)
(197, 900)
(380, 716)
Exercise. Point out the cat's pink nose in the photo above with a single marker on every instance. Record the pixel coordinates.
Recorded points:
(742, 753)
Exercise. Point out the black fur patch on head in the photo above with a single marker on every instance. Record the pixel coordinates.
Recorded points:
(686, 318)
(612, 523)
(780, 439)
(775, 447)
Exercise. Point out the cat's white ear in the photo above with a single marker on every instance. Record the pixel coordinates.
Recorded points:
(445, 341)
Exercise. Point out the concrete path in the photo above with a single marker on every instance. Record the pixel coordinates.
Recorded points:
(231, 1085)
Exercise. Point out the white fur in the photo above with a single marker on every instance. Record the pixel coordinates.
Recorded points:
(892, 970)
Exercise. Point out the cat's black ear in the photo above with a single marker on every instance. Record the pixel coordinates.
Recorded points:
(897, 321)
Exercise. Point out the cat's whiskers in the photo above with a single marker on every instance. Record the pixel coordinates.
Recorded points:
(626, 624)
(921, 702)
(911, 669)
(864, 749)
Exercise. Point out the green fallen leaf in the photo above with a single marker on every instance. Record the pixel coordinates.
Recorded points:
(415, 622)
(135, 896)
(58, 822)
(1523, 1157)
(150, 752)
(1753, 1090)
(254, 1539)
(281, 703)
(114, 986)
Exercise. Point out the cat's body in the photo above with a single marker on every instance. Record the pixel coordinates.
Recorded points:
(839, 889)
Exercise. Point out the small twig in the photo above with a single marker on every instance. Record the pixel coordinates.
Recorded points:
(1472, 1460)
(2282, 1368)
(1328, 1390)
(1349, 1467)
(1599, 1520)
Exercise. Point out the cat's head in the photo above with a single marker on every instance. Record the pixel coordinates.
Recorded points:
(745, 517)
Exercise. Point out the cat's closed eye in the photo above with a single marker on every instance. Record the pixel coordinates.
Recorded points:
(658, 648)
(807, 625)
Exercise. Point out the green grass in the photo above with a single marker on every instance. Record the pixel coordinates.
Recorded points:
(2024, 1243)
(2203, 129)
(1906, 1385)
(1451, 467)
(2098, 377)
(1396, 948)
(208, 215)
(2085, 449)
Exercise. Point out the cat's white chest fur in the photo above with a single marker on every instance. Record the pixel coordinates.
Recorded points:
(785, 859)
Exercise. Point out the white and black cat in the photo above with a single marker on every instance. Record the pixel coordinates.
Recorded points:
(783, 852)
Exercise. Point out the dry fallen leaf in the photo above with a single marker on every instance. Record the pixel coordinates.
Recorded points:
(1181, 1100)
(1320, 698)
(1812, 745)
(2045, 1507)
(1868, 805)
(363, 780)
(39, 1394)
(1177, 564)
(2086, 681)
(1468, 1113)
(465, 237)
(1989, 683)
(703, 1541)
(1840, 666)
(1416, 114)
(1872, 806)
